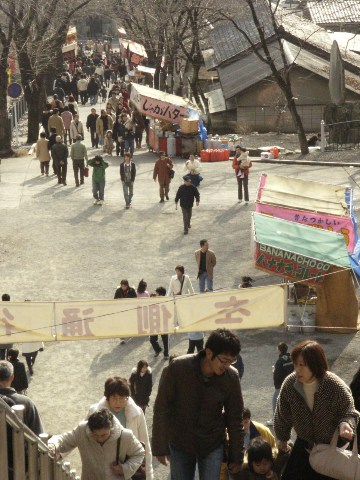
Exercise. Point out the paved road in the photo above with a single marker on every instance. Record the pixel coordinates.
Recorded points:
(57, 246)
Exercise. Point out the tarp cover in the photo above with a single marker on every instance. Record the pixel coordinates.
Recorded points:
(310, 242)
(305, 195)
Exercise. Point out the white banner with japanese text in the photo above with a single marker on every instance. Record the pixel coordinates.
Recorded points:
(261, 307)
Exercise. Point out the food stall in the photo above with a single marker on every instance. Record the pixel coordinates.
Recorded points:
(70, 48)
(174, 121)
(314, 222)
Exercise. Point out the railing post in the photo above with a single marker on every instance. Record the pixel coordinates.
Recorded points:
(32, 453)
(323, 139)
(19, 454)
(3, 449)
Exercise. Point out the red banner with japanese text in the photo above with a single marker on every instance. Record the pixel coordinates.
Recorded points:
(95, 319)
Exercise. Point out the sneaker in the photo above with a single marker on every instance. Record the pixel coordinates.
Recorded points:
(96, 201)
(127, 207)
(101, 202)
(270, 423)
(166, 357)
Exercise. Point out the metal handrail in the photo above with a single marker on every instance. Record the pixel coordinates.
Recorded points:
(31, 458)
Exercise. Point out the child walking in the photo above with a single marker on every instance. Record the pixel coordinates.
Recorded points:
(108, 143)
(98, 178)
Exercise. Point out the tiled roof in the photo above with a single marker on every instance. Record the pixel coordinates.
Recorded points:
(228, 42)
(336, 12)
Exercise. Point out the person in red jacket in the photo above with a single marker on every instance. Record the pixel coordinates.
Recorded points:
(162, 169)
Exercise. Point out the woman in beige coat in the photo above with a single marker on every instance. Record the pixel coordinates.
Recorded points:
(103, 455)
(43, 154)
(117, 399)
(103, 123)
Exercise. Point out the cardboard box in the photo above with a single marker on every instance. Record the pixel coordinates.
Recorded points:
(189, 126)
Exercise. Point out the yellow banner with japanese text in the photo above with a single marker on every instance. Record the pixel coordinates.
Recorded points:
(86, 320)
(261, 307)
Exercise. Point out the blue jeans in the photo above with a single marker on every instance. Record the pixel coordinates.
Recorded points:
(129, 145)
(98, 190)
(183, 464)
(93, 99)
(128, 189)
(204, 277)
(274, 399)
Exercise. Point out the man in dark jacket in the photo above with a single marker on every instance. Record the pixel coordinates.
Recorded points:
(283, 367)
(91, 125)
(187, 193)
(199, 396)
(60, 153)
(119, 134)
(127, 175)
(31, 415)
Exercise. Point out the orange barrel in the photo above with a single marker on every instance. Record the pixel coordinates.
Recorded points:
(205, 156)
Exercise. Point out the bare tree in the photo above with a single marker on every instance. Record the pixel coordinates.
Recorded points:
(6, 35)
(40, 29)
(262, 51)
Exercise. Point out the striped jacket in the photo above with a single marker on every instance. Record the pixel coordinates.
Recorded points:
(333, 404)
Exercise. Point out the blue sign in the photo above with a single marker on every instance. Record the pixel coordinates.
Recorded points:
(14, 90)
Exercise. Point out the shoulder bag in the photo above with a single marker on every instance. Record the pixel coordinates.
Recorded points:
(182, 284)
(140, 473)
(336, 462)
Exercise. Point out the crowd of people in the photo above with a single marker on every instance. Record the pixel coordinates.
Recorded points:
(199, 418)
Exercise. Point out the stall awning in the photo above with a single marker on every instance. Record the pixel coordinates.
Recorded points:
(157, 104)
(305, 195)
(133, 47)
(141, 68)
(297, 251)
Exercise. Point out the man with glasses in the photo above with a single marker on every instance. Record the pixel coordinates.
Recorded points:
(199, 396)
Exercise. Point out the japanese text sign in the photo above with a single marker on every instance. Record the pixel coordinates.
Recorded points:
(238, 309)
(289, 264)
(333, 223)
(158, 108)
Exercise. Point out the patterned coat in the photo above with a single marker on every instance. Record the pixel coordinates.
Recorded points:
(333, 404)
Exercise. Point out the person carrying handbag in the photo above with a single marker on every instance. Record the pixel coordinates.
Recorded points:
(76, 128)
(315, 402)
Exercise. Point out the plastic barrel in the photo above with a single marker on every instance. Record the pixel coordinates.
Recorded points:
(171, 146)
(205, 155)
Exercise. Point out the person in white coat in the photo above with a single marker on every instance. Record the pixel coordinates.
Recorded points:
(117, 399)
(108, 450)
(180, 284)
(76, 128)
